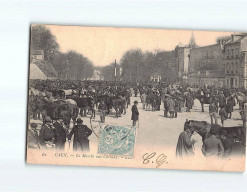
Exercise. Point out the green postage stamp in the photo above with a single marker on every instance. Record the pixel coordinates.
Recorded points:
(117, 140)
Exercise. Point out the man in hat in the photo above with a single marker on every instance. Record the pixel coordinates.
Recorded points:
(143, 98)
(213, 113)
(32, 137)
(171, 107)
(222, 100)
(230, 103)
(185, 143)
(189, 102)
(212, 146)
(61, 133)
(102, 110)
(166, 106)
(47, 134)
(135, 113)
(176, 106)
(223, 115)
(81, 133)
(158, 101)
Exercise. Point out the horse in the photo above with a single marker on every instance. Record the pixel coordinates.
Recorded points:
(241, 98)
(61, 109)
(117, 103)
(59, 94)
(193, 90)
(232, 138)
(85, 103)
(206, 99)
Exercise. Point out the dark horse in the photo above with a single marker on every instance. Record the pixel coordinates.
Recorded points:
(204, 99)
(59, 94)
(232, 138)
(85, 103)
(61, 109)
(116, 102)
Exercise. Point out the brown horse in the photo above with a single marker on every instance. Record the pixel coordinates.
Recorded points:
(233, 138)
(62, 109)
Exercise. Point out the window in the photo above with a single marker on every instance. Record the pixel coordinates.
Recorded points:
(237, 68)
(228, 54)
(232, 68)
(227, 68)
(231, 82)
(232, 53)
(227, 82)
(236, 53)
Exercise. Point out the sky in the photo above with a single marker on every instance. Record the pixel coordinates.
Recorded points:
(102, 45)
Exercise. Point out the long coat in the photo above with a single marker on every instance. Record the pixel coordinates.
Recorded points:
(222, 101)
(229, 105)
(46, 134)
(212, 146)
(135, 113)
(223, 114)
(176, 108)
(60, 138)
(159, 100)
(189, 102)
(171, 105)
(166, 104)
(81, 134)
(184, 145)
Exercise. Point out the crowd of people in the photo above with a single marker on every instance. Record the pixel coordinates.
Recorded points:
(54, 134)
(175, 98)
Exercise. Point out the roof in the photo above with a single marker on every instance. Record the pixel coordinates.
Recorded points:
(36, 73)
(206, 47)
(156, 74)
(37, 52)
(47, 69)
(236, 38)
(208, 74)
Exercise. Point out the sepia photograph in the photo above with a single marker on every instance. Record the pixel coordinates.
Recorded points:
(137, 97)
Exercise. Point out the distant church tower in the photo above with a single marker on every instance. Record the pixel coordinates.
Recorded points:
(192, 43)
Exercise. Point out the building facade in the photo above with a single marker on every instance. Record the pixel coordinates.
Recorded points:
(183, 58)
(234, 61)
(206, 78)
(205, 58)
(36, 55)
(221, 64)
(155, 77)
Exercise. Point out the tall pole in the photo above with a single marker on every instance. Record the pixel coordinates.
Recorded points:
(136, 72)
(115, 71)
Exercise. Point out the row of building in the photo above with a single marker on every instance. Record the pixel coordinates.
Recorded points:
(221, 64)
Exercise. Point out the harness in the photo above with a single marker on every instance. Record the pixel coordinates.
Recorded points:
(199, 129)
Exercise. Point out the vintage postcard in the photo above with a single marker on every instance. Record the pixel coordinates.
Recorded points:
(135, 97)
